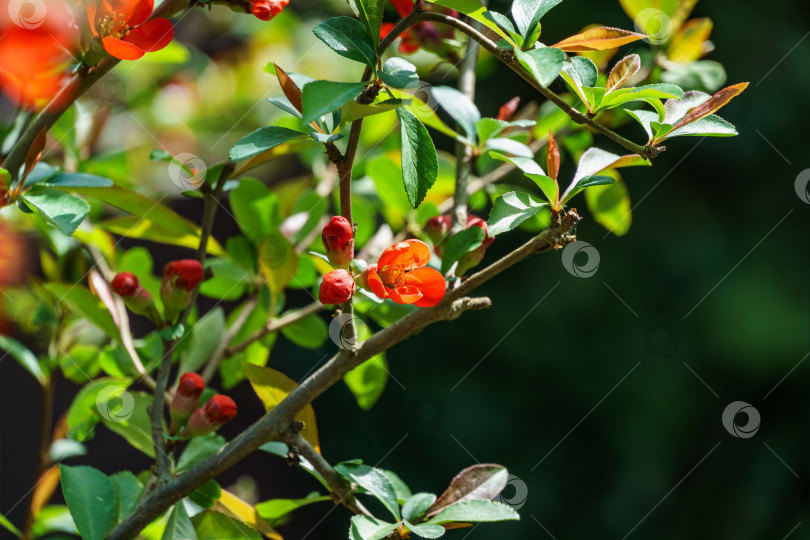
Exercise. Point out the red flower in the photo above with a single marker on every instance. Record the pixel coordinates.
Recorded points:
(401, 275)
(179, 279)
(267, 9)
(125, 284)
(210, 417)
(186, 399)
(123, 28)
(338, 239)
(138, 300)
(337, 287)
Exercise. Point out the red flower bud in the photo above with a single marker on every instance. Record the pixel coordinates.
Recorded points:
(338, 239)
(337, 287)
(186, 399)
(437, 228)
(267, 9)
(179, 279)
(210, 417)
(509, 108)
(137, 299)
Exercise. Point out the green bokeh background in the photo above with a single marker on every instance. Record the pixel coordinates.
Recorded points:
(600, 395)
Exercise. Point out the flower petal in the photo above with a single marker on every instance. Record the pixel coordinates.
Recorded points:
(405, 294)
(132, 12)
(406, 255)
(121, 49)
(152, 35)
(376, 284)
(430, 282)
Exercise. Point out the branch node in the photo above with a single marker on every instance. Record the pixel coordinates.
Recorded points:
(458, 307)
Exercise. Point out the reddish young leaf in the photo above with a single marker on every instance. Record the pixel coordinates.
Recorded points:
(712, 105)
(34, 153)
(598, 39)
(622, 71)
(289, 88)
(552, 158)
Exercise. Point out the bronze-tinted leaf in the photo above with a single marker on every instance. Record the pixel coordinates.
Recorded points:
(289, 88)
(622, 71)
(712, 105)
(552, 157)
(598, 39)
(483, 481)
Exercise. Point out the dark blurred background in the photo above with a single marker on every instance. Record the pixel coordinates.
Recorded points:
(602, 395)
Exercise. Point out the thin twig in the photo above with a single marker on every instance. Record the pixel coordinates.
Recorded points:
(219, 354)
(274, 325)
(158, 441)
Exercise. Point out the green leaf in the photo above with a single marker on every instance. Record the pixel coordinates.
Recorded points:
(76, 179)
(348, 37)
(9, 526)
(215, 526)
(131, 420)
(528, 166)
(504, 145)
(310, 332)
(585, 69)
(90, 498)
(369, 528)
(709, 126)
(459, 107)
(179, 526)
(416, 506)
(106, 395)
(475, 511)
(284, 103)
(86, 304)
(198, 449)
(260, 140)
(420, 164)
(323, 97)
(582, 183)
(62, 210)
(460, 244)
(281, 450)
(510, 210)
(206, 495)
(278, 261)
(547, 185)
(367, 381)
(62, 449)
(25, 357)
(400, 488)
(398, 73)
(278, 508)
(482, 481)
(426, 530)
(372, 480)
(544, 64)
(228, 281)
(371, 14)
(127, 492)
(205, 337)
(705, 75)
(352, 110)
(255, 208)
(527, 13)
(641, 93)
(610, 206)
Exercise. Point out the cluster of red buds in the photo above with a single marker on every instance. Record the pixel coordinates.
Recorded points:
(179, 280)
(191, 420)
(438, 230)
(338, 239)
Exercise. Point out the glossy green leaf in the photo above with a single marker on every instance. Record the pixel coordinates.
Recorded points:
(420, 165)
(459, 107)
(26, 358)
(369, 528)
(547, 185)
(9, 526)
(506, 146)
(475, 511)
(610, 206)
(367, 381)
(228, 281)
(310, 332)
(650, 91)
(90, 497)
(544, 64)
(206, 335)
(372, 480)
(349, 38)
(76, 179)
(179, 526)
(398, 73)
(510, 210)
(275, 509)
(130, 420)
(215, 526)
(207, 494)
(528, 166)
(86, 304)
(426, 530)
(198, 449)
(527, 13)
(416, 506)
(64, 211)
(460, 244)
(127, 492)
(582, 183)
(709, 126)
(323, 97)
(260, 140)
(255, 208)
(105, 395)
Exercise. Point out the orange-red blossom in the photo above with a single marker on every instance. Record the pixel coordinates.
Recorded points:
(402, 276)
(123, 28)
